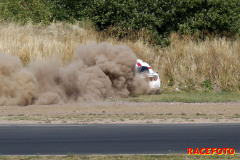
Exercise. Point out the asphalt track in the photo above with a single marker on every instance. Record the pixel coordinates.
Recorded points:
(115, 139)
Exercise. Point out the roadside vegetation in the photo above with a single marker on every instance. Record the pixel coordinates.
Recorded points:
(160, 18)
(121, 157)
(185, 65)
(194, 45)
(188, 97)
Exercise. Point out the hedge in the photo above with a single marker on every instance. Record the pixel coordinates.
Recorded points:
(160, 17)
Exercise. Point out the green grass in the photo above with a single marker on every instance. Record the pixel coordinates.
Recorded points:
(79, 118)
(188, 97)
(121, 157)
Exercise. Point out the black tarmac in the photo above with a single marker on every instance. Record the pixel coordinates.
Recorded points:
(115, 139)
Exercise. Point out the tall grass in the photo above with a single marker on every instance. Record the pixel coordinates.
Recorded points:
(212, 64)
(36, 42)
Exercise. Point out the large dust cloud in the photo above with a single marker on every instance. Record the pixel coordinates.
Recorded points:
(96, 72)
(17, 84)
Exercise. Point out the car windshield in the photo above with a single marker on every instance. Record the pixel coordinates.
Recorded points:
(143, 69)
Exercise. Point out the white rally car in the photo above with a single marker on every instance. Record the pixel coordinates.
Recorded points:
(144, 70)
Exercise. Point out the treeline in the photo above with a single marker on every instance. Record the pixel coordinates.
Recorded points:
(159, 17)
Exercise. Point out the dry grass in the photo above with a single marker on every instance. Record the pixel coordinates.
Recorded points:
(35, 42)
(122, 157)
(189, 63)
(185, 64)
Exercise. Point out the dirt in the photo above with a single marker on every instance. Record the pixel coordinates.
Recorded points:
(121, 112)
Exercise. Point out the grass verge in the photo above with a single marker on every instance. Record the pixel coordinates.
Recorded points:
(188, 97)
(120, 157)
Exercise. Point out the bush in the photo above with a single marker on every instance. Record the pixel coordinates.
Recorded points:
(159, 17)
(23, 11)
(212, 16)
